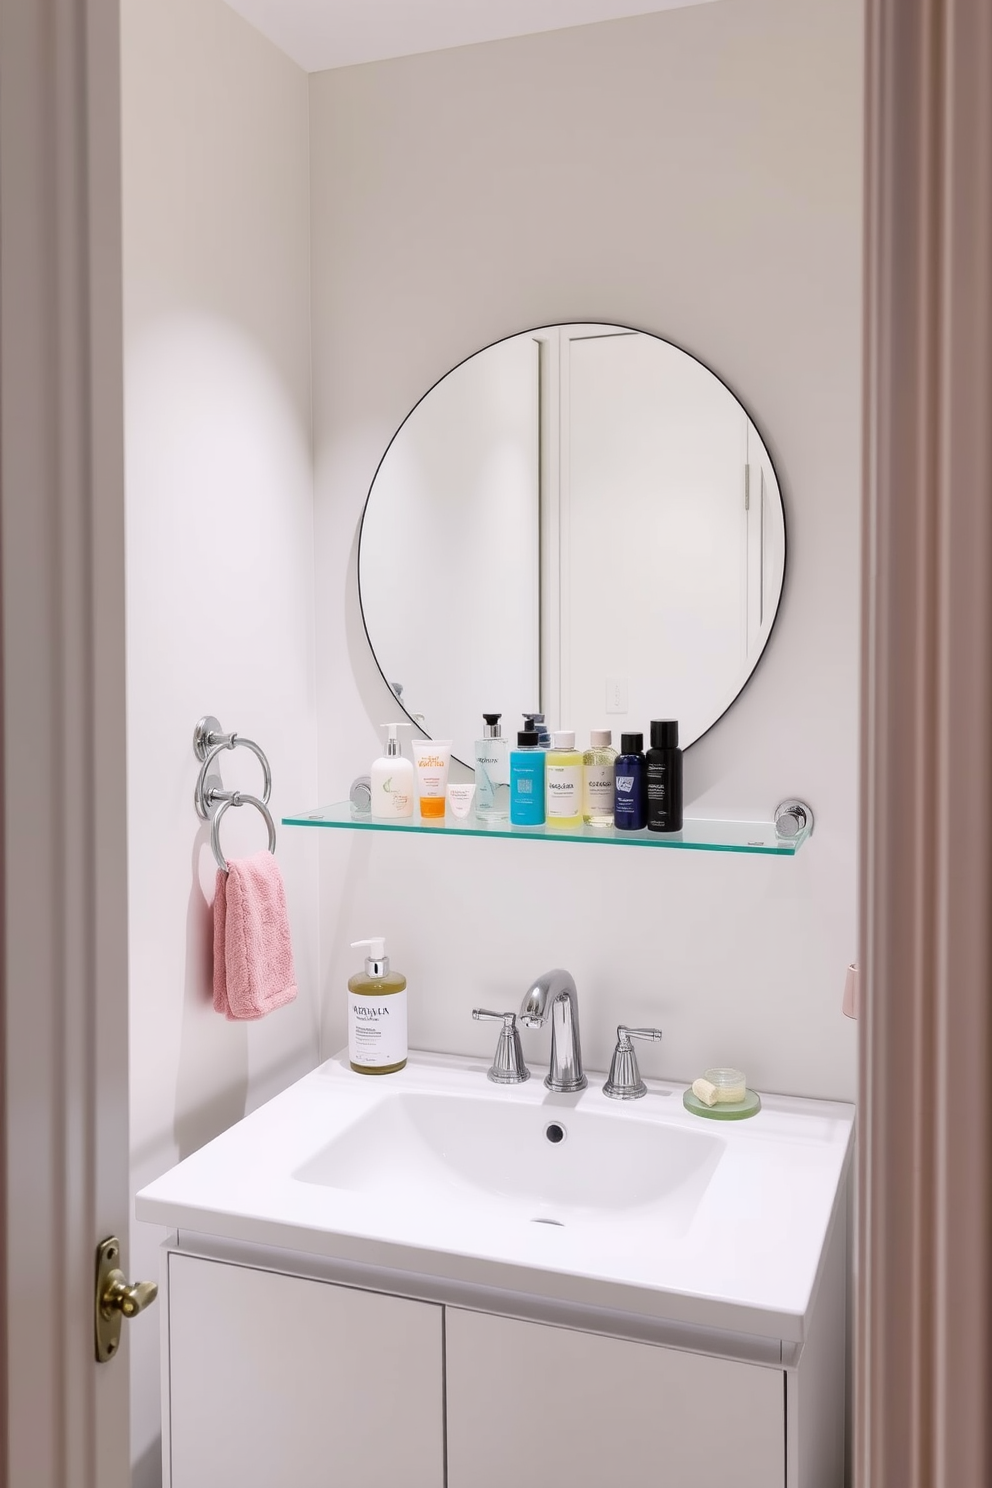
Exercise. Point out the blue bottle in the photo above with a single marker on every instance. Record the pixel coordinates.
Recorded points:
(527, 780)
(630, 806)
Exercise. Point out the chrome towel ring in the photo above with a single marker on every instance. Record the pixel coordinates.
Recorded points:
(210, 797)
(236, 798)
(210, 740)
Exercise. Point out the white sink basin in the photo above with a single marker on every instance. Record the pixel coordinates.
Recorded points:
(525, 1162)
(436, 1174)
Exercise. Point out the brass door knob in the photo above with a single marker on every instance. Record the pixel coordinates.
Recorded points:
(116, 1298)
(129, 1300)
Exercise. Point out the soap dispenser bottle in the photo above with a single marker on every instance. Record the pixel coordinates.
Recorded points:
(527, 779)
(536, 721)
(392, 779)
(492, 772)
(376, 1014)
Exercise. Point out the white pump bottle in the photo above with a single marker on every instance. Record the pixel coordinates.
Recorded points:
(392, 779)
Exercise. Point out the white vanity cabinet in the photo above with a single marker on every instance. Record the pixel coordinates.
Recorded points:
(276, 1381)
(537, 1405)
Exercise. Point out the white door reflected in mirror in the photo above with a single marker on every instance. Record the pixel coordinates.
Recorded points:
(580, 520)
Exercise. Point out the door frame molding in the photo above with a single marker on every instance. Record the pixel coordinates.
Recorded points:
(925, 1138)
(64, 847)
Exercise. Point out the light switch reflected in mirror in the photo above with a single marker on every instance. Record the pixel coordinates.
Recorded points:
(581, 520)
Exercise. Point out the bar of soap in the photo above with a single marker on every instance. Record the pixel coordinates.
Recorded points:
(704, 1091)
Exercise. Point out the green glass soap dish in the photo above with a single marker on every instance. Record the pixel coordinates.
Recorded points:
(733, 1111)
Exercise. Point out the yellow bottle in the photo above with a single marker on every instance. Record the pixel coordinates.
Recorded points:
(563, 782)
(376, 1014)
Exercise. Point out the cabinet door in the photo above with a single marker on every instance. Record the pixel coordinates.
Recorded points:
(539, 1406)
(276, 1382)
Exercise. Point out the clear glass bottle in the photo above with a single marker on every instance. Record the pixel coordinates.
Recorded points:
(492, 772)
(597, 779)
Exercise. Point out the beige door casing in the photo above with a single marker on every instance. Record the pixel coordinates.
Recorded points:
(925, 1116)
(65, 911)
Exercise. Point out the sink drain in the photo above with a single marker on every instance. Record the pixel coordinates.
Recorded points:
(559, 1223)
(554, 1132)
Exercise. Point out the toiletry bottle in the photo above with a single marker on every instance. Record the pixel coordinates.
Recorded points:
(492, 772)
(629, 805)
(597, 779)
(536, 721)
(663, 776)
(527, 780)
(432, 758)
(376, 1014)
(392, 779)
(563, 781)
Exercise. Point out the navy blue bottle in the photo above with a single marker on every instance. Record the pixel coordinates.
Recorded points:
(630, 809)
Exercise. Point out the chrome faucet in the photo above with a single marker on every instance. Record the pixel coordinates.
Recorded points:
(557, 990)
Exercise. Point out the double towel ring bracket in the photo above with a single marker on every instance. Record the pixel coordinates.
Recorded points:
(210, 797)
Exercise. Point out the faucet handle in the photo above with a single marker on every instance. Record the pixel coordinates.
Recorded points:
(508, 1066)
(625, 1081)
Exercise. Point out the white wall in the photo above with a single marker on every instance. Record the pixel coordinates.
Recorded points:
(696, 173)
(219, 556)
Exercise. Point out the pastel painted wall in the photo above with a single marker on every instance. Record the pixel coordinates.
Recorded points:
(219, 565)
(696, 173)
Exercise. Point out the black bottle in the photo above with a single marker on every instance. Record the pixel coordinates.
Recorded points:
(663, 771)
(629, 800)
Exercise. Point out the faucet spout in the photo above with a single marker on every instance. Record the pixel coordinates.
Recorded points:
(553, 995)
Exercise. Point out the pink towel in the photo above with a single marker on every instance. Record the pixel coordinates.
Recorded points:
(253, 956)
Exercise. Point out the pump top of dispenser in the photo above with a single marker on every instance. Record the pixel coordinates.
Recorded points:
(392, 748)
(528, 738)
(536, 721)
(664, 733)
(491, 721)
(564, 738)
(631, 743)
(376, 962)
(601, 739)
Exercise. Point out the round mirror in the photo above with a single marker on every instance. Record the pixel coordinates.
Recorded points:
(582, 521)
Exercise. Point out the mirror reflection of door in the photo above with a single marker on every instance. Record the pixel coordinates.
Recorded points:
(581, 519)
(653, 534)
(450, 548)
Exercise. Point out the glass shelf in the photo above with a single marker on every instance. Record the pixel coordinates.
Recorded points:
(695, 836)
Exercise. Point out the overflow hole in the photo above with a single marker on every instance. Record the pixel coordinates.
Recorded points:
(554, 1132)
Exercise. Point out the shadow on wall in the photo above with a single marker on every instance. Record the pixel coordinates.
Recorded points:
(212, 1077)
(146, 1472)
